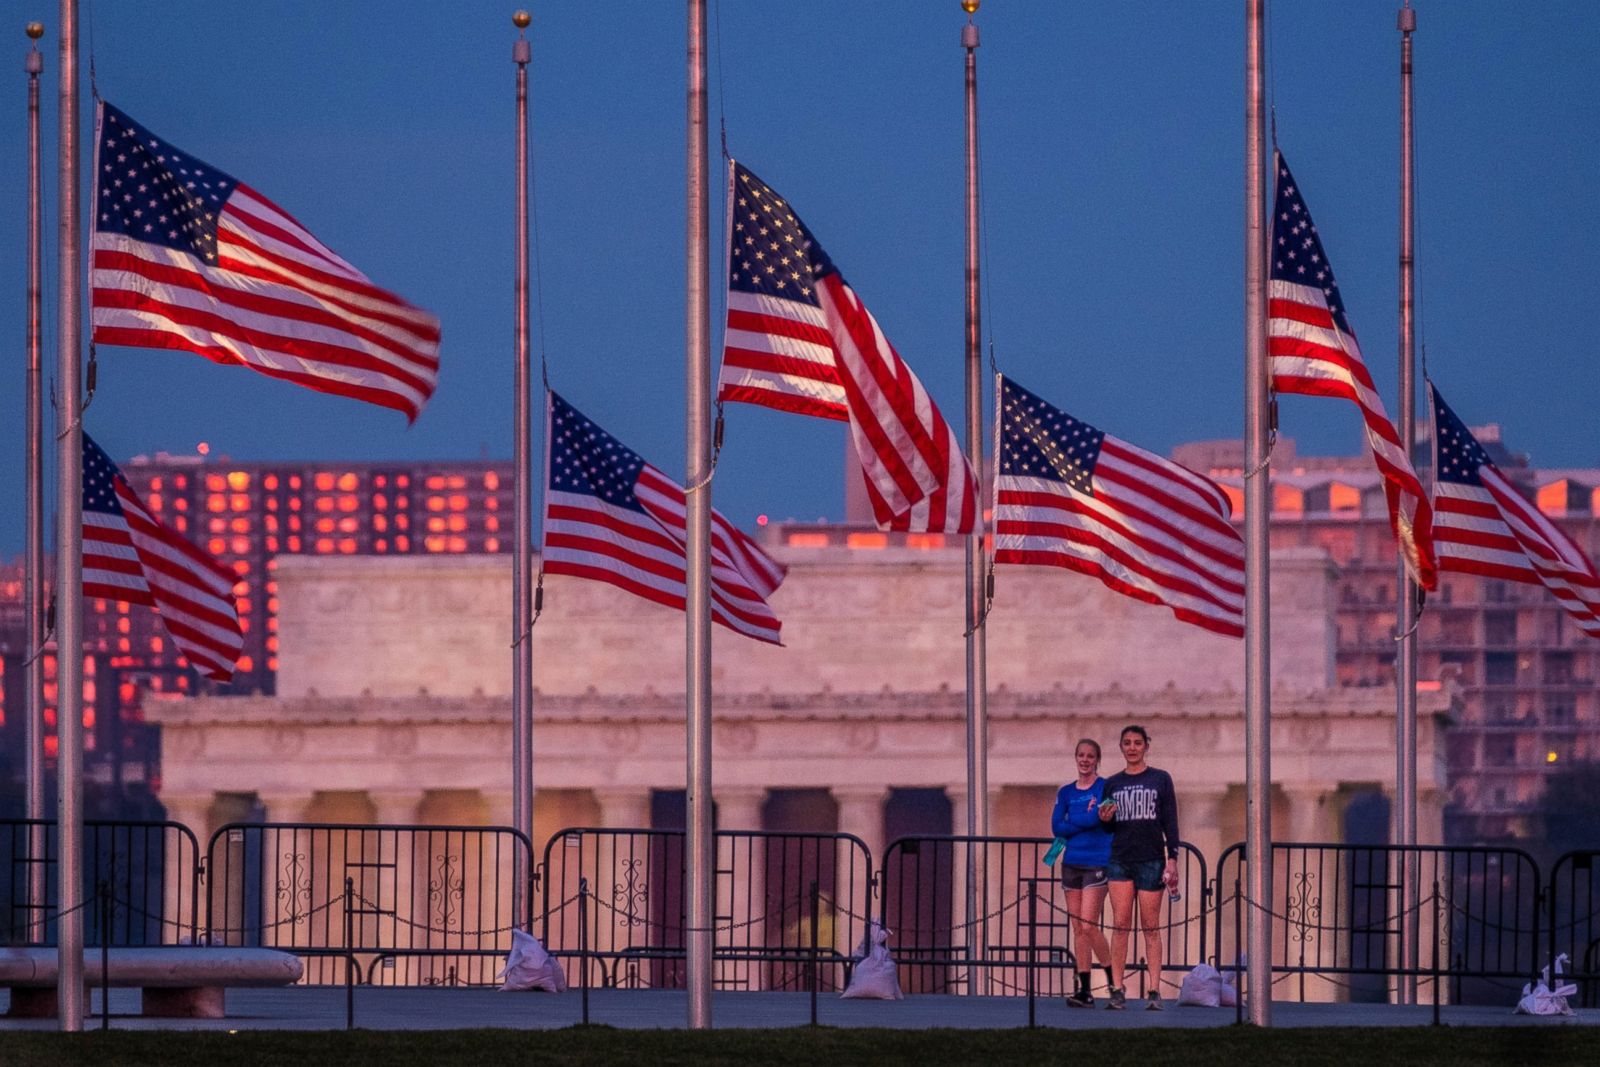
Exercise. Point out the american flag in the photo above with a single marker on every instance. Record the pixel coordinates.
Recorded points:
(129, 555)
(799, 339)
(1313, 351)
(187, 257)
(1483, 525)
(1069, 495)
(612, 517)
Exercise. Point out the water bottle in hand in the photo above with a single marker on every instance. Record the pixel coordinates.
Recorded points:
(1173, 894)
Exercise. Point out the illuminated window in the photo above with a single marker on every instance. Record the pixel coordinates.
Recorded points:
(402, 480)
(271, 523)
(808, 540)
(241, 567)
(381, 545)
(402, 522)
(492, 504)
(435, 503)
(294, 503)
(272, 663)
(347, 545)
(216, 502)
(324, 480)
(380, 501)
(240, 502)
(155, 484)
(1235, 499)
(272, 604)
(241, 545)
(216, 483)
(124, 626)
(380, 481)
(244, 604)
(491, 523)
(434, 481)
(294, 481)
(436, 524)
(181, 504)
(157, 645)
(491, 481)
(244, 624)
(324, 503)
(323, 525)
(294, 522)
(154, 500)
(867, 540)
(491, 544)
(380, 523)
(925, 540)
(272, 503)
(272, 644)
(1343, 497)
(1552, 498)
(402, 502)
(402, 543)
(349, 503)
(349, 524)
(458, 523)
(458, 544)
(217, 525)
(246, 664)
(458, 502)
(324, 545)
(124, 644)
(272, 544)
(433, 544)
(240, 525)
(457, 481)
(217, 546)
(347, 482)
(1287, 500)
(294, 544)
(238, 481)
(182, 481)
(270, 482)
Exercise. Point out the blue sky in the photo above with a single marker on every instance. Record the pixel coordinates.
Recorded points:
(1112, 144)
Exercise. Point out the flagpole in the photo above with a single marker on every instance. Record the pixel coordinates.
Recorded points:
(69, 544)
(977, 650)
(522, 549)
(698, 935)
(33, 602)
(1257, 503)
(1405, 660)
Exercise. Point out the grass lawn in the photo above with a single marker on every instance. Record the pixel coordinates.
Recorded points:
(1232, 1046)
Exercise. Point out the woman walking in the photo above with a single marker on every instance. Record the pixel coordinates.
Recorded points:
(1076, 820)
(1141, 808)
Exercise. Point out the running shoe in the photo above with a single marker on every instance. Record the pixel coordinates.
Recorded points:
(1152, 1001)
(1119, 1001)
(1080, 1000)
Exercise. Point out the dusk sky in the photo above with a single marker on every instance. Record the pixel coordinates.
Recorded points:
(1112, 144)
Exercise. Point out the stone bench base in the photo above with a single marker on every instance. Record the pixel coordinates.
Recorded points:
(175, 982)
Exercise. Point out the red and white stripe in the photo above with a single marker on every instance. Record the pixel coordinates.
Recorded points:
(778, 353)
(1311, 356)
(137, 559)
(585, 537)
(1494, 531)
(1153, 530)
(917, 477)
(277, 301)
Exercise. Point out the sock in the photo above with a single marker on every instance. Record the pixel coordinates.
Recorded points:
(1083, 984)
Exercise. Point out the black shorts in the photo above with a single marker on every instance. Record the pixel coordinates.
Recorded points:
(1144, 874)
(1082, 877)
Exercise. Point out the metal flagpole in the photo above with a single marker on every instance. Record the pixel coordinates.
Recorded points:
(1257, 502)
(697, 631)
(69, 545)
(1405, 660)
(33, 603)
(522, 550)
(977, 579)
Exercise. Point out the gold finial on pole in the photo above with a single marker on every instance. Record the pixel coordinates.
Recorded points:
(521, 20)
(970, 7)
(36, 30)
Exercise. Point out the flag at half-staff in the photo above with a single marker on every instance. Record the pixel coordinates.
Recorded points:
(129, 555)
(799, 339)
(1313, 351)
(1482, 524)
(612, 517)
(1069, 495)
(188, 257)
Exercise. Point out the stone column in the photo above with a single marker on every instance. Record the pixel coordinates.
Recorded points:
(178, 881)
(290, 860)
(625, 808)
(740, 885)
(623, 914)
(393, 889)
(1312, 810)
(1200, 824)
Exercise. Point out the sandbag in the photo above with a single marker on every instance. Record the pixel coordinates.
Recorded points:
(1545, 997)
(1206, 987)
(530, 967)
(874, 976)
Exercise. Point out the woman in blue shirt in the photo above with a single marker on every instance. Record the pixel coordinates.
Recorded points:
(1076, 820)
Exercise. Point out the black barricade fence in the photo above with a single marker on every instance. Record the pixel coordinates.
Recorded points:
(1344, 915)
(763, 906)
(427, 905)
(148, 869)
(922, 901)
(1574, 920)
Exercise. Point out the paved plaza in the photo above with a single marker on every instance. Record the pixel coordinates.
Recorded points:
(442, 1009)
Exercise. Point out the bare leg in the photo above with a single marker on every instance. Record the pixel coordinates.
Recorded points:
(1121, 925)
(1094, 903)
(1150, 920)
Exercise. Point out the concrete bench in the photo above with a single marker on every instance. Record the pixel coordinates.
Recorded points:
(178, 981)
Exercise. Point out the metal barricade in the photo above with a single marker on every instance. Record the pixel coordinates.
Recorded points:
(142, 875)
(1575, 921)
(1340, 912)
(766, 936)
(922, 902)
(384, 905)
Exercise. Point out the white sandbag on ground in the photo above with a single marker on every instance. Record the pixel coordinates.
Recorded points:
(874, 976)
(530, 967)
